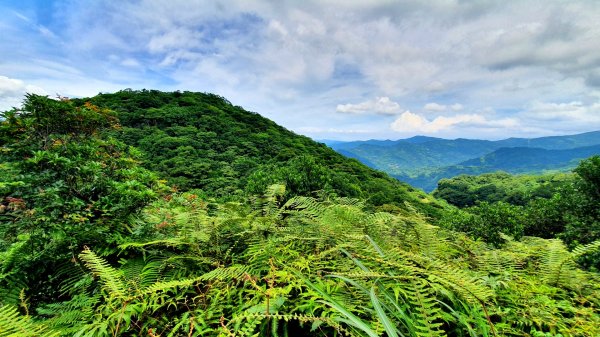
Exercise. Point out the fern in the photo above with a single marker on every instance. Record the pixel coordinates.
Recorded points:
(585, 249)
(12, 324)
(558, 266)
(427, 316)
(109, 276)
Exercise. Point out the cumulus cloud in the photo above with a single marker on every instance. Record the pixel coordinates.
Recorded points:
(435, 107)
(556, 39)
(456, 107)
(562, 118)
(286, 58)
(13, 90)
(379, 105)
(410, 122)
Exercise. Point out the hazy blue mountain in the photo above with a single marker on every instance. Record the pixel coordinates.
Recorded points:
(511, 160)
(527, 159)
(555, 142)
(422, 161)
(414, 154)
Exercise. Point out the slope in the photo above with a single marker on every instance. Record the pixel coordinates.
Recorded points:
(407, 157)
(421, 160)
(202, 141)
(511, 160)
(554, 142)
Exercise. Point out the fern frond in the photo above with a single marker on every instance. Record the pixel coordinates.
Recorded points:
(69, 316)
(426, 311)
(110, 277)
(584, 249)
(235, 272)
(304, 206)
(12, 287)
(558, 266)
(12, 324)
(73, 277)
(170, 242)
(346, 316)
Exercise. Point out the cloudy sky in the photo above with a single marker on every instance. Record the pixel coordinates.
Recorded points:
(328, 69)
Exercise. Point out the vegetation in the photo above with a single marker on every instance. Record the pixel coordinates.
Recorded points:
(62, 187)
(551, 206)
(467, 190)
(202, 141)
(423, 161)
(129, 257)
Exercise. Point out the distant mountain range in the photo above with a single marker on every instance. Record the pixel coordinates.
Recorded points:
(422, 161)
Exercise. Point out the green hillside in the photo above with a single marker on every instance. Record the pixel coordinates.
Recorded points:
(422, 161)
(468, 190)
(202, 141)
(405, 157)
(511, 160)
(93, 244)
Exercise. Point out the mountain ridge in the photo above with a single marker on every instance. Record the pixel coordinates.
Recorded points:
(424, 162)
(202, 141)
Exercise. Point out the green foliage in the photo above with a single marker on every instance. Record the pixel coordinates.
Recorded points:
(589, 172)
(14, 325)
(465, 190)
(91, 246)
(548, 206)
(73, 187)
(202, 141)
(488, 221)
(318, 267)
(423, 161)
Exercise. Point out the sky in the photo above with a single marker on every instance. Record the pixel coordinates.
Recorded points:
(329, 69)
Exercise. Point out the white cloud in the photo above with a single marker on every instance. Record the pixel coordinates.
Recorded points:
(456, 107)
(289, 60)
(379, 105)
(319, 130)
(435, 107)
(564, 112)
(410, 122)
(562, 118)
(12, 92)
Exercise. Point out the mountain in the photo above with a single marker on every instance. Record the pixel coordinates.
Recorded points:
(413, 155)
(92, 242)
(202, 141)
(554, 142)
(422, 161)
(526, 159)
(511, 160)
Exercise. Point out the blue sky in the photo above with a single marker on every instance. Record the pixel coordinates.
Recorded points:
(331, 69)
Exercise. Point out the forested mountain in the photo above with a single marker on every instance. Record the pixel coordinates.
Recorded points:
(202, 141)
(511, 160)
(422, 161)
(554, 142)
(405, 157)
(94, 244)
(559, 205)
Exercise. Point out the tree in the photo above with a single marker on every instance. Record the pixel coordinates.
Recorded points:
(63, 186)
(486, 221)
(589, 172)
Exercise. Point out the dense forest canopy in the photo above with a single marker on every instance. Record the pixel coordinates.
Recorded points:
(564, 206)
(202, 141)
(275, 235)
(467, 190)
